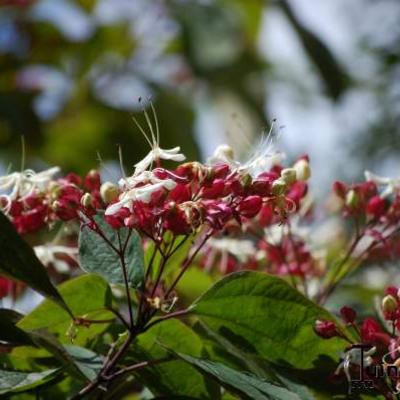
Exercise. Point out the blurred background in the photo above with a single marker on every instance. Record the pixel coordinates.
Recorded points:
(74, 72)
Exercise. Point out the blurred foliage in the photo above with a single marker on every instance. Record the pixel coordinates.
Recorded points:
(72, 72)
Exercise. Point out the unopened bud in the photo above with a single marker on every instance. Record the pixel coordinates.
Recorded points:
(325, 329)
(279, 186)
(224, 152)
(289, 175)
(389, 304)
(87, 200)
(351, 199)
(108, 192)
(54, 189)
(250, 206)
(303, 171)
(348, 314)
(246, 180)
(56, 205)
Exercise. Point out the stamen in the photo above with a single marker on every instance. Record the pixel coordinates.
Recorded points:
(142, 131)
(121, 162)
(156, 123)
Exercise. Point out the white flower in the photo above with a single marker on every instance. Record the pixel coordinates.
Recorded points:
(23, 184)
(47, 255)
(157, 153)
(391, 184)
(262, 159)
(141, 193)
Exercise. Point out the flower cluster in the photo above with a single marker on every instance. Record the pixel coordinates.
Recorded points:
(374, 205)
(35, 200)
(216, 194)
(291, 255)
(375, 199)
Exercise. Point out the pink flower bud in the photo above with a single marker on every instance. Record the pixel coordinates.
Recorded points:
(325, 329)
(348, 314)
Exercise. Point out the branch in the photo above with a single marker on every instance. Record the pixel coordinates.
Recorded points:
(134, 367)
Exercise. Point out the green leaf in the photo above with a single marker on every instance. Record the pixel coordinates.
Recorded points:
(245, 384)
(18, 261)
(16, 382)
(87, 296)
(172, 378)
(9, 333)
(96, 255)
(88, 362)
(262, 314)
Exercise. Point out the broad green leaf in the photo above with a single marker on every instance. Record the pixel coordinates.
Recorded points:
(247, 385)
(173, 378)
(263, 315)
(18, 261)
(78, 362)
(15, 382)
(223, 351)
(96, 255)
(9, 333)
(88, 362)
(87, 296)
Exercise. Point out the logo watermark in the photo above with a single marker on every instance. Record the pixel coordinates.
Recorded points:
(369, 372)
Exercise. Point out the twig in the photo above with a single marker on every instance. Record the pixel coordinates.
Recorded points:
(134, 367)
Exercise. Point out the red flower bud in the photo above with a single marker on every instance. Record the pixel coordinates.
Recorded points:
(5, 287)
(325, 329)
(348, 314)
(392, 290)
(371, 332)
(220, 171)
(250, 206)
(92, 180)
(214, 190)
(74, 179)
(376, 206)
(297, 192)
(340, 189)
(262, 185)
(266, 215)
(116, 220)
(180, 193)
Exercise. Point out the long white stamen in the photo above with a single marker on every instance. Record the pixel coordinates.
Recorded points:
(156, 123)
(150, 125)
(142, 131)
